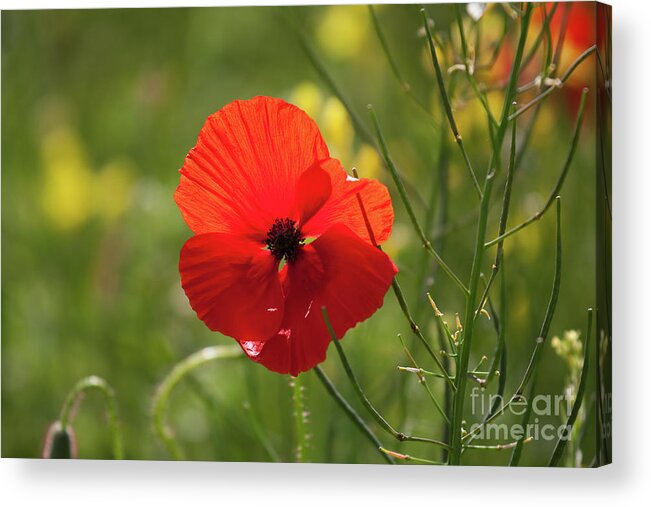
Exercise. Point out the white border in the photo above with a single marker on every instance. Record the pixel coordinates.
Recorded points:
(30, 482)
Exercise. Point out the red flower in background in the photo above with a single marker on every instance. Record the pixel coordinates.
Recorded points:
(256, 187)
(576, 21)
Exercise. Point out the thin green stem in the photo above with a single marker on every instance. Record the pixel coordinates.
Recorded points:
(165, 388)
(350, 412)
(498, 447)
(407, 457)
(446, 103)
(560, 445)
(500, 355)
(89, 384)
(323, 73)
(464, 346)
(541, 96)
(416, 330)
(410, 211)
(300, 419)
(443, 326)
(537, 351)
(404, 85)
(504, 216)
(470, 72)
(543, 30)
(422, 381)
(360, 128)
(260, 434)
(559, 183)
(420, 371)
(469, 317)
(362, 395)
(402, 301)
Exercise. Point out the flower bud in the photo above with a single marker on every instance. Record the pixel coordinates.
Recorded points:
(60, 443)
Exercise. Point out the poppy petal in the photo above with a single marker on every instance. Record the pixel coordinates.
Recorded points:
(243, 172)
(339, 271)
(343, 206)
(233, 285)
(313, 190)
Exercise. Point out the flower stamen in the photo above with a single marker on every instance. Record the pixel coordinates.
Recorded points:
(284, 239)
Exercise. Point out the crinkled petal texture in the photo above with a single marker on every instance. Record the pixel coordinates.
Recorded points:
(257, 161)
(243, 172)
(233, 285)
(338, 271)
(343, 206)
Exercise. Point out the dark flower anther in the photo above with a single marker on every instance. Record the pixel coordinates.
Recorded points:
(284, 239)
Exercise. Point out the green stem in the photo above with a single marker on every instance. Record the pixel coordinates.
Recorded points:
(540, 97)
(464, 346)
(559, 183)
(407, 457)
(401, 297)
(404, 85)
(536, 44)
(504, 216)
(260, 434)
(498, 447)
(535, 357)
(410, 211)
(416, 330)
(446, 103)
(421, 380)
(165, 388)
(469, 317)
(300, 419)
(350, 412)
(469, 71)
(560, 445)
(362, 131)
(95, 383)
(362, 395)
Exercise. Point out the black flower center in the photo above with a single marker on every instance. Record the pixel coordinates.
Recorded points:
(284, 239)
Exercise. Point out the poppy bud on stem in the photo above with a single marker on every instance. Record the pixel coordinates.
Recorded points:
(60, 439)
(60, 442)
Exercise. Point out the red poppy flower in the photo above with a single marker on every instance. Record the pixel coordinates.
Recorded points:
(278, 234)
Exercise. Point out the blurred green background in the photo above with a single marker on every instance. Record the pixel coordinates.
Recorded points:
(99, 110)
